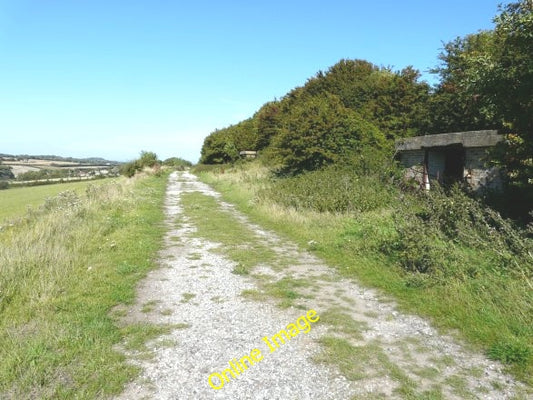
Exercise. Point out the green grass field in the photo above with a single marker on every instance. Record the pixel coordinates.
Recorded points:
(15, 201)
(64, 269)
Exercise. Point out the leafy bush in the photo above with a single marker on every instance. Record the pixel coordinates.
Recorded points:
(129, 169)
(430, 226)
(319, 131)
(147, 159)
(177, 162)
(333, 189)
(6, 173)
(4, 185)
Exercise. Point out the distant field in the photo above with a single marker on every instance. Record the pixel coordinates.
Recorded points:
(15, 201)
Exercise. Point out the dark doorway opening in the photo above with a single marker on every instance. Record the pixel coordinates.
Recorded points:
(454, 161)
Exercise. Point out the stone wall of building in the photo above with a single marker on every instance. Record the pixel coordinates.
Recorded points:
(412, 161)
(477, 173)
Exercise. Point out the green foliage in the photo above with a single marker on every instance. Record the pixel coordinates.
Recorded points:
(453, 108)
(336, 189)
(5, 172)
(268, 123)
(147, 159)
(354, 99)
(319, 131)
(44, 174)
(129, 169)
(223, 146)
(177, 162)
(487, 81)
(393, 101)
(430, 225)
(214, 148)
(4, 185)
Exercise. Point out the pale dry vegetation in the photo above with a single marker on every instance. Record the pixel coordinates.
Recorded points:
(63, 267)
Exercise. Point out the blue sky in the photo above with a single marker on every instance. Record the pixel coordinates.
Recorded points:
(111, 78)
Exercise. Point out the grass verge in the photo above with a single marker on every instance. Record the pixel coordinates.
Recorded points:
(63, 268)
(492, 310)
(242, 246)
(240, 243)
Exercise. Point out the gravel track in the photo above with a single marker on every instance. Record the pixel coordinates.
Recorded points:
(195, 286)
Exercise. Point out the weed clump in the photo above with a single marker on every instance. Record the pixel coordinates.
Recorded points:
(434, 228)
(333, 189)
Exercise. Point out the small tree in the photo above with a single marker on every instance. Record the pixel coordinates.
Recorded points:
(148, 159)
(487, 82)
(128, 169)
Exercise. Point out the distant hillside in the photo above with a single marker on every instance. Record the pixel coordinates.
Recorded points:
(89, 160)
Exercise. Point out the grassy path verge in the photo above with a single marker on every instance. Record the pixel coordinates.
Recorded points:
(492, 312)
(62, 270)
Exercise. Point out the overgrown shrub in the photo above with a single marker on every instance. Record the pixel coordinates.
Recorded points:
(4, 185)
(216, 168)
(363, 181)
(320, 131)
(6, 173)
(430, 225)
(177, 162)
(130, 168)
(147, 159)
(334, 189)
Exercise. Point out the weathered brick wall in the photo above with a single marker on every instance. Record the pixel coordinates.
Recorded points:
(412, 162)
(477, 173)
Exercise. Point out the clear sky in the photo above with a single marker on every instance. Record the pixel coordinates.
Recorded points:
(111, 78)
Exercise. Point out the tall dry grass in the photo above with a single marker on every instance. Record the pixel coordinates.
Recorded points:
(63, 267)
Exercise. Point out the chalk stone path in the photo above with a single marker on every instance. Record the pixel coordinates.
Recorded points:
(195, 286)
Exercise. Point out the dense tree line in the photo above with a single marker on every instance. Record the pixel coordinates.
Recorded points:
(486, 82)
(389, 104)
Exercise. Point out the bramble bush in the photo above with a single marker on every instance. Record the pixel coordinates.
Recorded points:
(430, 225)
(362, 184)
(147, 159)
